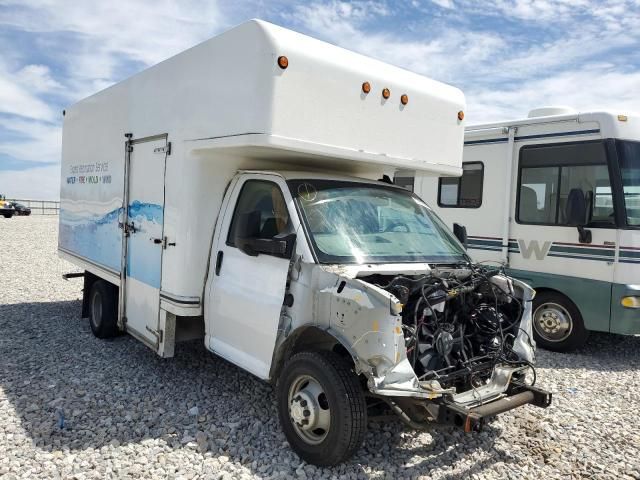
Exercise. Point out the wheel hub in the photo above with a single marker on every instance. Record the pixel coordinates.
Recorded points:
(304, 411)
(553, 322)
(309, 409)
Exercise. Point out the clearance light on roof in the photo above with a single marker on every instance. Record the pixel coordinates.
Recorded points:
(630, 302)
(386, 93)
(460, 115)
(283, 62)
(404, 99)
(622, 118)
(366, 87)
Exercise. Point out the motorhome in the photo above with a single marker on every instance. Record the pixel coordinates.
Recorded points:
(555, 198)
(239, 193)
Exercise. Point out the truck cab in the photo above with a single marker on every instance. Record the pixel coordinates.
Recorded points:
(312, 273)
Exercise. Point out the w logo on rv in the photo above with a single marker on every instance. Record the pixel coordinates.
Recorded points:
(534, 247)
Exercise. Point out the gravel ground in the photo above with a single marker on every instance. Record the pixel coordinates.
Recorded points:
(130, 414)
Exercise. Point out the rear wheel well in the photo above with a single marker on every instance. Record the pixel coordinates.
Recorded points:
(89, 280)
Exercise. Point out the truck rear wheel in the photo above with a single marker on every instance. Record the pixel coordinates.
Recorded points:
(103, 309)
(321, 407)
(557, 323)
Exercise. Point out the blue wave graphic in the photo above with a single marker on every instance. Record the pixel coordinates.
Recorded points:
(98, 238)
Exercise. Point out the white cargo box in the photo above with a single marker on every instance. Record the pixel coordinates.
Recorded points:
(224, 105)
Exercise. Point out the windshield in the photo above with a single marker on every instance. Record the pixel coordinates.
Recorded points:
(350, 222)
(629, 155)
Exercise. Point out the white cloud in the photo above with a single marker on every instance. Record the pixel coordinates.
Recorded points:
(41, 183)
(17, 100)
(444, 3)
(440, 54)
(98, 37)
(38, 78)
(36, 141)
(592, 88)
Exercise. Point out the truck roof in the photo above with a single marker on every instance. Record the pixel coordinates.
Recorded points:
(319, 175)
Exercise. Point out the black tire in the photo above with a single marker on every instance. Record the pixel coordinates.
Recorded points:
(549, 332)
(103, 309)
(7, 215)
(343, 398)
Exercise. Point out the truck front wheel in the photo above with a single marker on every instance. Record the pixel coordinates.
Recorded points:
(321, 407)
(103, 309)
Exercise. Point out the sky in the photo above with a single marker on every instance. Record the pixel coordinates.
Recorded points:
(507, 56)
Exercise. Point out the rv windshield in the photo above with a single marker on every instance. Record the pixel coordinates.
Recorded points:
(350, 222)
(629, 154)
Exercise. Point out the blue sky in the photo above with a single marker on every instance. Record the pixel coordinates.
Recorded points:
(507, 56)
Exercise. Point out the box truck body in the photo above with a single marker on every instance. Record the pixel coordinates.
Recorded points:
(232, 193)
(521, 185)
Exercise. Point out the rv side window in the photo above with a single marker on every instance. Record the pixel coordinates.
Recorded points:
(263, 199)
(550, 173)
(464, 191)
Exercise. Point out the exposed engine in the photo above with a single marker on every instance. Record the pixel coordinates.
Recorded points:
(458, 323)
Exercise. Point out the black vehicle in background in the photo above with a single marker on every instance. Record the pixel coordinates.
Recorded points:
(20, 209)
(6, 210)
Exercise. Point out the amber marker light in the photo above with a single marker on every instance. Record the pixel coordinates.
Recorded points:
(386, 93)
(366, 87)
(283, 62)
(460, 115)
(404, 99)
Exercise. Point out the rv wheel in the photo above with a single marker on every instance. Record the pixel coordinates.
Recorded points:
(103, 309)
(321, 407)
(557, 323)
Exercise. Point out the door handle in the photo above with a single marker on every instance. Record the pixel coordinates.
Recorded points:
(157, 241)
(219, 262)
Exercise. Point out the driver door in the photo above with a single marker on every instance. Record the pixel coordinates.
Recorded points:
(247, 292)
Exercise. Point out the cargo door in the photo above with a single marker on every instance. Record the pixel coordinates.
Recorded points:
(143, 224)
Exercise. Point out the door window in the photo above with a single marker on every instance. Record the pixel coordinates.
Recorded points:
(263, 199)
(464, 191)
(539, 194)
(551, 174)
(629, 154)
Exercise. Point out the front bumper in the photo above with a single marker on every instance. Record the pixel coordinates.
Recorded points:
(473, 419)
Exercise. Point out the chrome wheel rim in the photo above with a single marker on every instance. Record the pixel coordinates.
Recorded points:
(96, 310)
(552, 322)
(309, 409)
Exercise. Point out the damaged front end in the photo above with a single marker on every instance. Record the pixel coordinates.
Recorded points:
(451, 344)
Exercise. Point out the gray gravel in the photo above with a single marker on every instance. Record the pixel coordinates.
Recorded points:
(126, 413)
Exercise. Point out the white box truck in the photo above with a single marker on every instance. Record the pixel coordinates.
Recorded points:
(556, 198)
(232, 193)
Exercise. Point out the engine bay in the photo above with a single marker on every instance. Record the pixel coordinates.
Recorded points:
(458, 323)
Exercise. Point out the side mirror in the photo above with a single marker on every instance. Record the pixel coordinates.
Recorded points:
(460, 231)
(248, 240)
(576, 213)
(279, 246)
